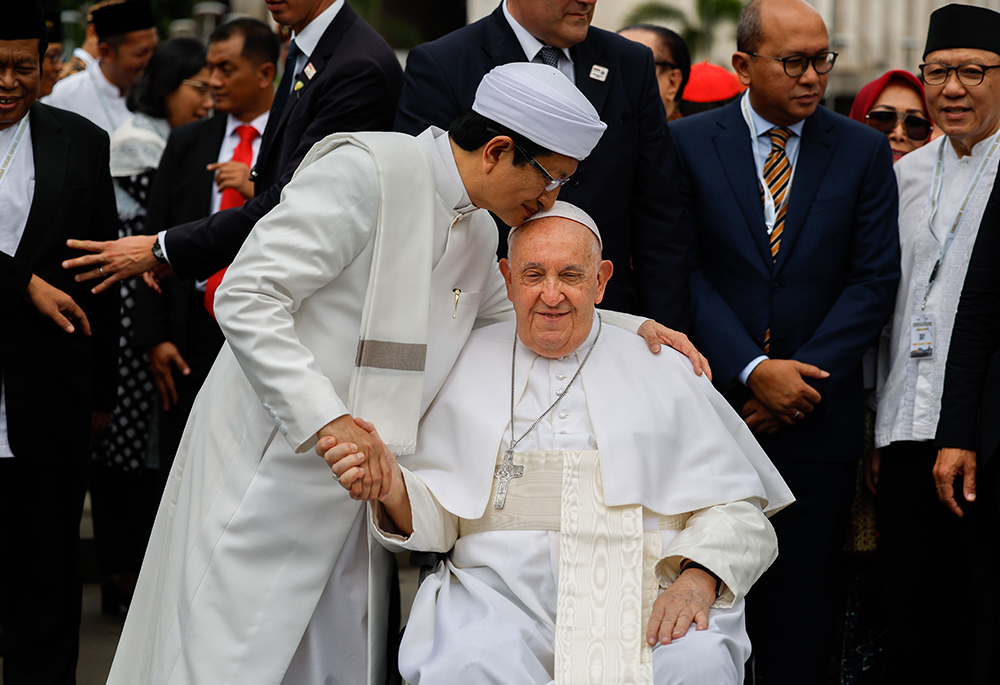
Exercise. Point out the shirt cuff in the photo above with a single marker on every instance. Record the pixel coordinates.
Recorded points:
(748, 369)
(162, 235)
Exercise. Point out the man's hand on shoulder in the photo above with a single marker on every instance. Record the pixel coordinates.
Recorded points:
(112, 260)
(686, 601)
(656, 334)
(778, 384)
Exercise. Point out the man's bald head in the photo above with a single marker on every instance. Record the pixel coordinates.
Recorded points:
(555, 278)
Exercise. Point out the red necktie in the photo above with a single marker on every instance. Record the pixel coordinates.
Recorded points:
(231, 198)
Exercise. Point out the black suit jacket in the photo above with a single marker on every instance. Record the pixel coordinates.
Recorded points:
(52, 379)
(970, 404)
(355, 88)
(832, 287)
(181, 193)
(629, 182)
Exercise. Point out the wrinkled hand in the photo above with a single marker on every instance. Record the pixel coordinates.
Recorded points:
(685, 602)
(778, 384)
(873, 464)
(952, 463)
(759, 418)
(234, 175)
(118, 259)
(56, 305)
(161, 358)
(655, 334)
(374, 455)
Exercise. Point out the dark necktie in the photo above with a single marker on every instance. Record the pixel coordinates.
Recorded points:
(550, 55)
(777, 174)
(287, 77)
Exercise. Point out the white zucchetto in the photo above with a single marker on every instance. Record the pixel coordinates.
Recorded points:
(539, 102)
(566, 211)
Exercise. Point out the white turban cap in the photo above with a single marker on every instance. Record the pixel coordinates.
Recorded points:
(539, 102)
(566, 211)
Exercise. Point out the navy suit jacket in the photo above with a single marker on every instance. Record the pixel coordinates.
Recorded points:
(832, 287)
(629, 182)
(355, 88)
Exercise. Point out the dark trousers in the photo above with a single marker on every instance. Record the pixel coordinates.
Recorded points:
(123, 506)
(790, 611)
(41, 502)
(924, 565)
(986, 574)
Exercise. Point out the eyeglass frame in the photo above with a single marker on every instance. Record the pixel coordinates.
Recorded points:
(668, 65)
(948, 70)
(553, 182)
(198, 85)
(810, 59)
(901, 117)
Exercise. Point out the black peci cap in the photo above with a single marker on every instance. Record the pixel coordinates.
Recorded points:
(963, 26)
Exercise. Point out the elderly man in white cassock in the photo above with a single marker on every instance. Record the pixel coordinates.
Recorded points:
(605, 509)
(353, 297)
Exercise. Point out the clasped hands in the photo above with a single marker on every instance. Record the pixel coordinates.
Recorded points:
(359, 459)
(781, 397)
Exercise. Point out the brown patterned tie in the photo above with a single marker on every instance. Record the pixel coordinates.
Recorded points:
(777, 174)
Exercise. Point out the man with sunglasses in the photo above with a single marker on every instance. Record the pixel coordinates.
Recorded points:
(794, 264)
(943, 192)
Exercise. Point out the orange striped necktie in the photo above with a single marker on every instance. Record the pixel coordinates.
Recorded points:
(777, 174)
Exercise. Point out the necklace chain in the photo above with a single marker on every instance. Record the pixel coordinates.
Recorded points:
(513, 442)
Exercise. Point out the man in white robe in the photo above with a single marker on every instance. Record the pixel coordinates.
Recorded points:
(259, 567)
(629, 474)
(943, 190)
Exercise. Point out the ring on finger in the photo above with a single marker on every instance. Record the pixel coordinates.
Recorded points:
(100, 268)
(796, 415)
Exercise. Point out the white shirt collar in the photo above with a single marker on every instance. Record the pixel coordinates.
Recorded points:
(529, 43)
(762, 125)
(309, 37)
(259, 123)
(455, 194)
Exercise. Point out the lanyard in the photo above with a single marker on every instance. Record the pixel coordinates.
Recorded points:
(12, 148)
(101, 97)
(770, 211)
(936, 193)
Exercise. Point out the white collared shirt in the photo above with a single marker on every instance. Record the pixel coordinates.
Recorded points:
(16, 194)
(309, 37)
(532, 45)
(91, 95)
(228, 147)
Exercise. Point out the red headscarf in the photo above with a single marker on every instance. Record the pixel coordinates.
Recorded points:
(869, 94)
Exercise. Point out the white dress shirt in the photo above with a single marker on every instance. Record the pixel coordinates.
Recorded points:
(309, 37)
(17, 188)
(532, 45)
(228, 147)
(91, 95)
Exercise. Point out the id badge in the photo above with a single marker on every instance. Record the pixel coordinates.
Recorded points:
(921, 337)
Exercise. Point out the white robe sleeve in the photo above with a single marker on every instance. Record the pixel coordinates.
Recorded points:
(434, 528)
(325, 218)
(735, 540)
(494, 307)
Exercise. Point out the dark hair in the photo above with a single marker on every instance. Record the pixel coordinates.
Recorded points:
(749, 31)
(472, 130)
(675, 45)
(175, 60)
(260, 44)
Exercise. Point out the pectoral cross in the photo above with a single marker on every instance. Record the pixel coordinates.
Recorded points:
(506, 471)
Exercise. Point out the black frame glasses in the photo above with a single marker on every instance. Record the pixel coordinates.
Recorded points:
(796, 65)
(916, 127)
(553, 182)
(970, 74)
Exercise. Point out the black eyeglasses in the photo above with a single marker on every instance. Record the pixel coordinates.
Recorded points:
(553, 182)
(885, 120)
(796, 65)
(968, 74)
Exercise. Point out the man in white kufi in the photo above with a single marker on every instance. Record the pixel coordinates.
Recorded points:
(571, 484)
(353, 297)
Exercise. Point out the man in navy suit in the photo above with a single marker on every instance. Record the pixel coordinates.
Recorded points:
(343, 77)
(629, 181)
(794, 268)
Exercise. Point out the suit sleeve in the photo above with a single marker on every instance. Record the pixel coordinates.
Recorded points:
(355, 97)
(14, 278)
(974, 339)
(659, 234)
(859, 312)
(427, 98)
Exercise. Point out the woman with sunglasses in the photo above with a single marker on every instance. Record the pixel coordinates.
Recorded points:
(894, 104)
(172, 91)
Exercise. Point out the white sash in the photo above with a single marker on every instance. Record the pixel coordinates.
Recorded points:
(12, 148)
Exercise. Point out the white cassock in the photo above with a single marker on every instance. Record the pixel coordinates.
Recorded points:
(259, 565)
(91, 95)
(520, 600)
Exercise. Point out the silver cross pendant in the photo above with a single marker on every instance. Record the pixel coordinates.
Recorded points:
(506, 471)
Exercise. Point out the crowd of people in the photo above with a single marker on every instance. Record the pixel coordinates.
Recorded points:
(230, 273)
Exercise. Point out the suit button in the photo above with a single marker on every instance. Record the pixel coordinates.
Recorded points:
(776, 287)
